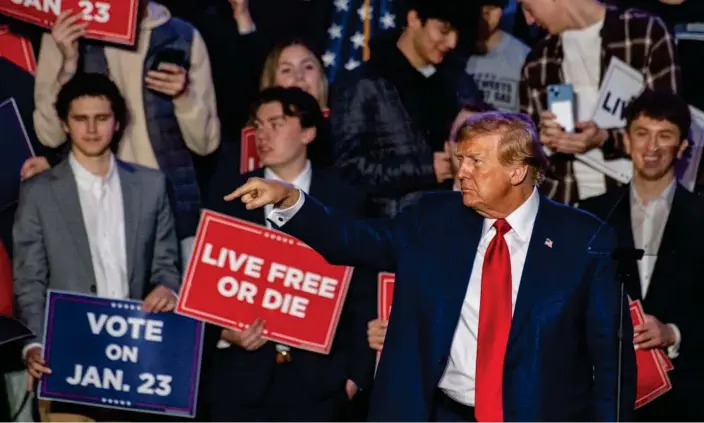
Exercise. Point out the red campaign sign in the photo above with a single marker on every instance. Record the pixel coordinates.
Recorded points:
(386, 294)
(652, 365)
(17, 50)
(240, 272)
(249, 159)
(113, 21)
(385, 287)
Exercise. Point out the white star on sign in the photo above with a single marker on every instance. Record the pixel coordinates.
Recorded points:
(335, 31)
(341, 5)
(328, 59)
(351, 64)
(365, 13)
(388, 20)
(358, 40)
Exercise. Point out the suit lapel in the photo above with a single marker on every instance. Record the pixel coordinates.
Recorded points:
(66, 195)
(620, 220)
(533, 278)
(668, 244)
(458, 261)
(132, 205)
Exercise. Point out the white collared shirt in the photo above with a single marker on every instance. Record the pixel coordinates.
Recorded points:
(104, 220)
(302, 182)
(648, 223)
(459, 377)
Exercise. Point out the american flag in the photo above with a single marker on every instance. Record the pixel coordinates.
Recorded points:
(354, 23)
(548, 242)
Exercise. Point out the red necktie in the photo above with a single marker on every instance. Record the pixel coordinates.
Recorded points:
(494, 327)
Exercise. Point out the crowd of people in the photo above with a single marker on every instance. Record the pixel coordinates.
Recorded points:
(454, 96)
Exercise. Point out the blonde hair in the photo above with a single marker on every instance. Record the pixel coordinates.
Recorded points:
(271, 64)
(519, 143)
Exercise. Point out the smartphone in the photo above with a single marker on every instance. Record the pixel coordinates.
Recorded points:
(561, 104)
(170, 55)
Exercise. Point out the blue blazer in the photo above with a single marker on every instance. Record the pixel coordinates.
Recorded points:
(562, 355)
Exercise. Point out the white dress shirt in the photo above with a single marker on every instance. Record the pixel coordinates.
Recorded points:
(581, 66)
(648, 224)
(302, 182)
(104, 220)
(458, 379)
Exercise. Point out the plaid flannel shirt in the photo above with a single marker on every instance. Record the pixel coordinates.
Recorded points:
(639, 39)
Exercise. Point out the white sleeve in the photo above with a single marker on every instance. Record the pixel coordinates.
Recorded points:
(673, 351)
(29, 347)
(280, 217)
(223, 345)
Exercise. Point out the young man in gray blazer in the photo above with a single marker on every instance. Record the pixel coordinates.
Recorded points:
(92, 224)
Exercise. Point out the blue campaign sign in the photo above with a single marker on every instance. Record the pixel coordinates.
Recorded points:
(110, 353)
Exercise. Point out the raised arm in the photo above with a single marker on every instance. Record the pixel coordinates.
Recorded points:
(341, 240)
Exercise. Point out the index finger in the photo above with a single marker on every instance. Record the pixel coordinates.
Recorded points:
(248, 186)
(40, 367)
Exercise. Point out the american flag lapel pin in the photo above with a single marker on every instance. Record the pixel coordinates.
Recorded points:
(548, 242)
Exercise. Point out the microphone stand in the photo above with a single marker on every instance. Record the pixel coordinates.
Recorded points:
(622, 256)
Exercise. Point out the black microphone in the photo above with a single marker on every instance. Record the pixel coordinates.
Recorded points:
(622, 256)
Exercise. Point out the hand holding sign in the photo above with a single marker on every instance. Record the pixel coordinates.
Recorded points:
(36, 366)
(376, 332)
(653, 334)
(250, 339)
(66, 32)
(160, 299)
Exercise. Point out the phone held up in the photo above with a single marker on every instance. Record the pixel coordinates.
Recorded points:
(561, 104)
(169, 55)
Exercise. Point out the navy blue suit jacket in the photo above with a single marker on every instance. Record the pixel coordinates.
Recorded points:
(242, 378)
(562, 355)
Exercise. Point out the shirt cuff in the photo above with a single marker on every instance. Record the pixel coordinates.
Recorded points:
(223, 345)
(673, 351)
(29, 347)
(280, 217)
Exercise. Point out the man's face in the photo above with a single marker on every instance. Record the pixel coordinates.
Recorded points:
(483, 179)
(547, 14)
(280, 138)
(433, 40)
(91, 126)
(654, 146)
